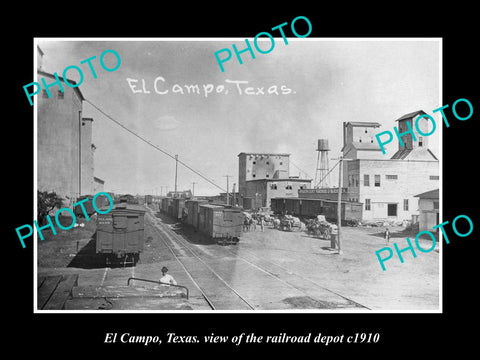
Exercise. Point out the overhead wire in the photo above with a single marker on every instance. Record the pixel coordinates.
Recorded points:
(304, 172)
(155, 146)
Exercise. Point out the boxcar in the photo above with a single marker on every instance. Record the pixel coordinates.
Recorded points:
(120, 233)
(166, 202)
(220, 222)
(88, 205)
(178, 206)
(193, 210)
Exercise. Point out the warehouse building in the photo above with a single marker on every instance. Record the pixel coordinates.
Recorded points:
(387, 187)
(65, 153)
(428, 204)
(263, 176)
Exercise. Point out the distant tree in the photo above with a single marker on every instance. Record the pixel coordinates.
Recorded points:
(46, 202)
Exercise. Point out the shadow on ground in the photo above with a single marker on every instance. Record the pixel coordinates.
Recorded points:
(405, 233)
(189, 233)
(87, 258)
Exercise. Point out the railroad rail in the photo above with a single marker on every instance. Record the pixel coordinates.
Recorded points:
(172, 237)
(175, 238)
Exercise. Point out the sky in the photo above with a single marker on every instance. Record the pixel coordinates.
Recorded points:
(321, 83)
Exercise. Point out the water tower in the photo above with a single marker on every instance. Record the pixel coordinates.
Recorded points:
(322, 177)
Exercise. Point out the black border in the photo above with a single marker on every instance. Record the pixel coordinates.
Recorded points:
(400, 333)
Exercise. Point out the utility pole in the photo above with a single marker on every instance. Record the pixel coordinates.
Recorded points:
(176, 168)
(339, 206)
(234, 197)
(193, 189)
(228, 197)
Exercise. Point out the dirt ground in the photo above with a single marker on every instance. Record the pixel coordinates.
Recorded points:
(356, 274)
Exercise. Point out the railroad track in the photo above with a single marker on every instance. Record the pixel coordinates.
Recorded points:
(169, 238)
(293, 281)
(293, 274)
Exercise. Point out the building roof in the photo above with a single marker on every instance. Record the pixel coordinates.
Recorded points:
(411, 115)
(365, 146)
(283, 179)
(77, 89)
(402, 154)
(432, 194)
(363, 124)
(316, 200)
(268, 154)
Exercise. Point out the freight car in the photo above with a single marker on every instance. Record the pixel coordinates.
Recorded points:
(193, 210)
(351, 212)
(129, 199)
(120, 233)
(100, 201)
(221, 222)
(165, 204)
(88, 205)
(177, 210)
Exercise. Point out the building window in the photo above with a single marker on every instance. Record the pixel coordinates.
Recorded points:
(392, 210)
(253, 175)
(391, 177)
(281, 163)
(366, 180)
(60, 94)
(254, 162)
(420, 141)
(435, 205)
(359, 140)
(267, 175)
(367, 205)
(434, 177)
(377, 180)
(268, 163)
(288, 187)
(405, 204)
(273, 186)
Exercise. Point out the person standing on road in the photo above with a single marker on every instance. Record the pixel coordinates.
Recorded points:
(387, 236)
(262, 223)
(167, 278)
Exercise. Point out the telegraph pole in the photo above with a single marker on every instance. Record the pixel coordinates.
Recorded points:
(339, 206)
(193, 189)
(228, 197)
(234, 197)
(176, 168)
